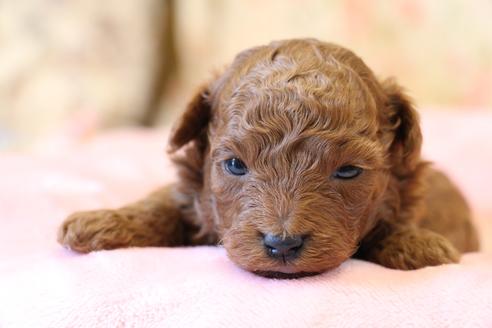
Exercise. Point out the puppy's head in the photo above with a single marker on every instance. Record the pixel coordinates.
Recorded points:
(293, 154)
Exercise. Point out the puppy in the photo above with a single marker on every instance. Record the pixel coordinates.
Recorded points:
(295, 159)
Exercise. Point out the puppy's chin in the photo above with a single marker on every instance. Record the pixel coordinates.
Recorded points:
(291, 272)
(285, 275)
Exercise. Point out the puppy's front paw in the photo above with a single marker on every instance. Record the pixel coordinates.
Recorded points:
(93, 230)
(414, 248)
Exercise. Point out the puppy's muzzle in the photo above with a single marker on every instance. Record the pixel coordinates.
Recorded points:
(287, 248)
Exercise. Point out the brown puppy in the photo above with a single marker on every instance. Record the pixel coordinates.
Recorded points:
(295, 159)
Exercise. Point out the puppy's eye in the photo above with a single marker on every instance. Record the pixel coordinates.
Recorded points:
(347, 172)
(235, 166)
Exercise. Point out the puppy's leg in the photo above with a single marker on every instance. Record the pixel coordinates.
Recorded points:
(448, 213)
(156, 220)
(407, 248)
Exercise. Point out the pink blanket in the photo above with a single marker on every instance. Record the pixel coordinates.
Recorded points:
(43, 285)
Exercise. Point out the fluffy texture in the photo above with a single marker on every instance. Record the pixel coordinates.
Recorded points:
(200, 287)
(295, 112)
(43, 285)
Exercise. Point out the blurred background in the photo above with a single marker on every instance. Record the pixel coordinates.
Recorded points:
(71, 68)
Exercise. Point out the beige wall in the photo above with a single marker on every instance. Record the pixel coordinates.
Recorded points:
(81, 65)
(440, 50)
(68, 62)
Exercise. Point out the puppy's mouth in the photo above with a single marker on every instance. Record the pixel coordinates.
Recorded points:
(285, 275)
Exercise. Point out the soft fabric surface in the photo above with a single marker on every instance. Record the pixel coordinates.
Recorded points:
(43, 285)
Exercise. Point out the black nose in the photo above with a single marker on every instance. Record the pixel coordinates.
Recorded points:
(283, 248)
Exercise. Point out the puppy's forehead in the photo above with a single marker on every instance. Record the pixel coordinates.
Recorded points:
(299, 99)
(293, 59)
(298, 93)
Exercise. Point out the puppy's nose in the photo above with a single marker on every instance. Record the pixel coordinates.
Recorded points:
(283, 248)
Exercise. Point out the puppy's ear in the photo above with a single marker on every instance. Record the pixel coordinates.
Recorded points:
(407, 141)
(192, 125)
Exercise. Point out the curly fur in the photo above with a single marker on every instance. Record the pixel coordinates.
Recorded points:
(294, 111)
